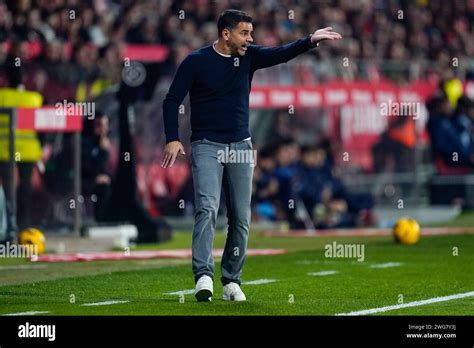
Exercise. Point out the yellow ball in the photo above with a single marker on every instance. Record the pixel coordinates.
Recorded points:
(33, 237)
(406, 231)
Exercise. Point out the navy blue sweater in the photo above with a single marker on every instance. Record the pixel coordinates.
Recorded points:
(219, 89)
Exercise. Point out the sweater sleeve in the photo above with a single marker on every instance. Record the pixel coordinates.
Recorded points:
(182, 82)
(264, 57)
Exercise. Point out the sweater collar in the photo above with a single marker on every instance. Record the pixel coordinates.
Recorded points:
(223, 55)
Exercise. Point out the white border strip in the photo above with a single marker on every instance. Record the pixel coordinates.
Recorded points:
(105, 303)
(25, 313)
(18, 267)
(411, 304)
(181, 292)
(259, 281)
(322, 273)
(386, 265)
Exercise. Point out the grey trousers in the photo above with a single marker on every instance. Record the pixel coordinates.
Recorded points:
(217, 165)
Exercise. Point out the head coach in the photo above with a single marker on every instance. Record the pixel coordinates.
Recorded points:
(218, 78)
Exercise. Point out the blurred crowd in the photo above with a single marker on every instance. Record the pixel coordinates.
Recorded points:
(451, 130)
(295, 183)
(301, 185)
(77, 44)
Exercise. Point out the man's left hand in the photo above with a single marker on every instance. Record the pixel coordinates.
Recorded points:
(325, 34)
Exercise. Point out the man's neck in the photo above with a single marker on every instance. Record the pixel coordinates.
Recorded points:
(222, 48)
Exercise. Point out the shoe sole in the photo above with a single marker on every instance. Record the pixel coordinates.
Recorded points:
(203, 295)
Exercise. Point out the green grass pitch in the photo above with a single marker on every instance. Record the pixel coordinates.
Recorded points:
(424, 271)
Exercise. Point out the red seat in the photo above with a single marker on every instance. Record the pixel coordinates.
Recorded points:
(444, 169)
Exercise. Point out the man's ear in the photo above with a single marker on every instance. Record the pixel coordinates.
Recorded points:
(226, 34)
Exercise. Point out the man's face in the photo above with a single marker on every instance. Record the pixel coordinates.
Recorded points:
(101, 126)
(314, 158)
(239, 38)
(470, 112)
(284, 155)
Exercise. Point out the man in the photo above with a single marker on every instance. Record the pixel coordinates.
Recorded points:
(27, 148)
(218, 78)
(95, 152)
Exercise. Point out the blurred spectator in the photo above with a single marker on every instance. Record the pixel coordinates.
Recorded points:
(449, 133)
(27, 147)
(395, 151)
(324, 195)
(265, 187)
(464, 123)
(287, 156)
(341, 208)
(311, 176)
(95, 156)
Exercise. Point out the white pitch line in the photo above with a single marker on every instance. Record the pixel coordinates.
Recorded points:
(386, 265)
(22, 267)
(105, 303)
(250, 282)
(411, 304)
(181, 292)
(311, 262)
(322, 273)
(25, 313)
(259, 281)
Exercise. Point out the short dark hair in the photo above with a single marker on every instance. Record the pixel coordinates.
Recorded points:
(310, 148)
(266, 152)
(230, 19)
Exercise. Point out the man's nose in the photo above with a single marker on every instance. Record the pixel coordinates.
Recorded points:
(250, 40)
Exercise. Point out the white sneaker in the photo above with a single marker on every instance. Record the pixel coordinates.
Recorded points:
(233, 292)
(204, 289)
